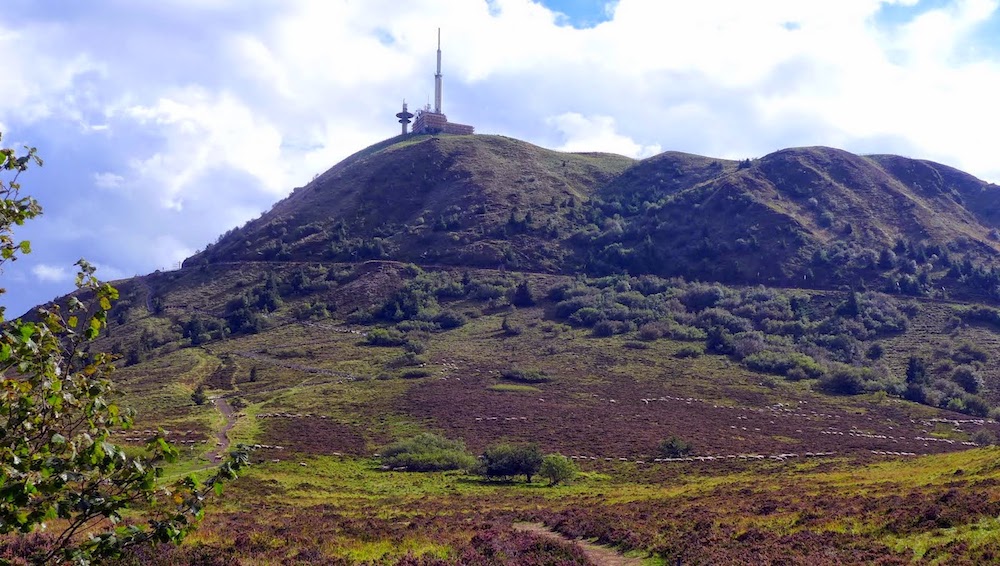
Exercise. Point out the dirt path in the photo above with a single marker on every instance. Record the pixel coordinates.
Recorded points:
(600, 555)
(222, 437)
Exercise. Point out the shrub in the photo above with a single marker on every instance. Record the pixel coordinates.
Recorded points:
(633, 345)
(675, 447)
(427, 453)
(844, 380)
(984, 437)
(509, 328)
(450, 319)
(385, 337)
(780, 363)
(649, 332)
(605, 328)
(525, 376)
(875, 352)
(688, 352)
(504, 461)
(523, 295)
(684, 332)
(975, 405)
(415, 373)
(967, 378)
(586, 316)
(199, 397)
(557, 469)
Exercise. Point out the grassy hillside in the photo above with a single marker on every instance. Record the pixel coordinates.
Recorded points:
(784, 360)
(743, 374)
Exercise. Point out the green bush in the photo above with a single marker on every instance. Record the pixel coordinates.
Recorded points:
(504, 461)
(984, 437)
(557, 469)
(427, 452)
(780, 363)
(605, 328)
(523, 296)
(415, 373)
(385, 337)
(675, 447)
(843, 381)
(967, 378)
(688, 352)
(199, 397)
(509, 328)
(450, 319)
(525, 376)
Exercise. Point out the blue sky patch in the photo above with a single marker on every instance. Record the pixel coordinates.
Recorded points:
(581, 14)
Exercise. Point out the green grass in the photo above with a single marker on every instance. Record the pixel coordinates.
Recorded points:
(513, 388)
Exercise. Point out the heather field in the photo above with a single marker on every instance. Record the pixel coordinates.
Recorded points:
(780, 469)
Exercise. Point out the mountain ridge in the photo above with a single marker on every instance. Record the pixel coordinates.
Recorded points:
(489, 201)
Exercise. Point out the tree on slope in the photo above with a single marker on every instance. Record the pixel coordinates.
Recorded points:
(59, 469)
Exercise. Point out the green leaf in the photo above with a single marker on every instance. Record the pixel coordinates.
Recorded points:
(73, 321)
(105, 303)
(25, 247)
(218, 489)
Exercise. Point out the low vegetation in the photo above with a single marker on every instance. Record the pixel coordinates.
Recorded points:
(427, 453)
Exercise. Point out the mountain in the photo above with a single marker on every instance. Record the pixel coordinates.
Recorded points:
(794, 358)
(817, 217)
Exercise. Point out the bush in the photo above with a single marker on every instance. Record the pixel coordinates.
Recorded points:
(605, 328)
(525, 376)
(874, 352)
(780, 363)
(689, 352)
(674, 447)
(509, 328)
(415, 373)
(427, 453)
(523, 295)
(975, 405)
(649, 332)
(199, 397)
(504, 461)
(967, 378)
(557, 469)
(385, 337)
(844, 380)
(450, 319)
(984, 437)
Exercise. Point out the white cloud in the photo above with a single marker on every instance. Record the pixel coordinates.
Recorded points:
(597, 133)
(108, 180)
(51, 273)
(205, 131)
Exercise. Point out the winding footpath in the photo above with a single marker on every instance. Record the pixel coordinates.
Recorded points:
(599, 555)
(222, 436)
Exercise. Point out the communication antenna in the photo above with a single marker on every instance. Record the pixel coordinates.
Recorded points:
(404, 117)
(437, 78)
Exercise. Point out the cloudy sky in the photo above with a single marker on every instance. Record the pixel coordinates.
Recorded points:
(164, 123)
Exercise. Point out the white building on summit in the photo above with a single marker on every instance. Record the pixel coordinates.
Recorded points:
(433, 121)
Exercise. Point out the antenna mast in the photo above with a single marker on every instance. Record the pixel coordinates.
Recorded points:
(437, 78)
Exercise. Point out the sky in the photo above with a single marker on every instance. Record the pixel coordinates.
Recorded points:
(165, 123)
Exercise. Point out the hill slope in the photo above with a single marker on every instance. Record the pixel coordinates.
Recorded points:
(808, 216)
(433, 284)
